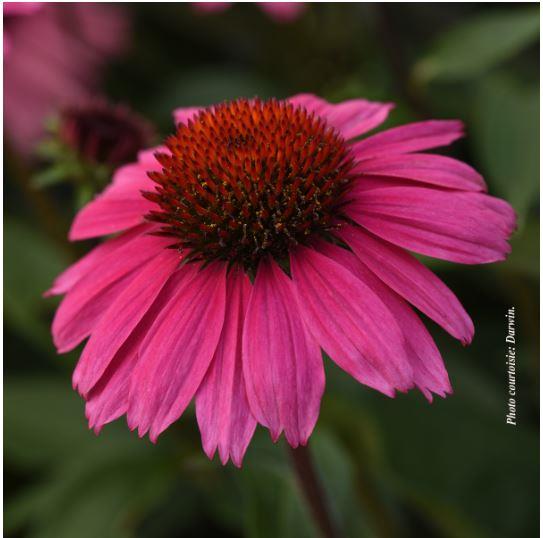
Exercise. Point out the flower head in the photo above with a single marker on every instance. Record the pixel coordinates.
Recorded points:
(261, 233)
(247, 179)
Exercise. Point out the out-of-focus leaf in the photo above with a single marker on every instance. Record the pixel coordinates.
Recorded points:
(83, 195)
(31, 263)
(275, 504)
(472, 47)
(44, 421)
(505, 133)
(419, 443)
(50, 148)
(524, 246)
(204, 87)
(90, 486)
(338, 478)
(101, 492)
(50, 176)
(272, 502)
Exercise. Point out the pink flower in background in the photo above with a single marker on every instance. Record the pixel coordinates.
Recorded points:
(266, 233)
(53, 55)
(282, 12)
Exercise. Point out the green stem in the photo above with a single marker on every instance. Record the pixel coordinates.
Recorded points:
(313, 492)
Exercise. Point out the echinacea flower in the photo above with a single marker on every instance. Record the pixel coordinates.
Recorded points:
(53, 57)
(103, 133)
(261, 233)
(282, 12)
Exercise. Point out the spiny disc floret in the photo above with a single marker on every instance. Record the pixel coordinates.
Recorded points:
(246, 179)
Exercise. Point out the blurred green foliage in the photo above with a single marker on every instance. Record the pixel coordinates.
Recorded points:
(390, 468)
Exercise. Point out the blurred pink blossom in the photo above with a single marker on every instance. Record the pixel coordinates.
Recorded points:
(53, 56)
(278, 11)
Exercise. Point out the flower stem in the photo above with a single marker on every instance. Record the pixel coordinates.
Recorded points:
(312, 490)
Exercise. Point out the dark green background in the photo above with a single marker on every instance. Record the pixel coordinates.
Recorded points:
(391, 468)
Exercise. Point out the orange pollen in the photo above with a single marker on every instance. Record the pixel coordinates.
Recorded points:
(247, 179)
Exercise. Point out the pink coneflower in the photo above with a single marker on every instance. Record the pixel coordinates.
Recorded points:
(53, 55)
(259, 235)
(282, 12)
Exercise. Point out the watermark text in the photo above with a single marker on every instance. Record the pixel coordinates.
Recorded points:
(510, 355)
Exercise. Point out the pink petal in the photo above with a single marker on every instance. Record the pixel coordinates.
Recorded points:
(117, 323)
(351, 118)
(119, 207)
(457, 226)
(183, 115)
(429, 373)
(409, 138)
(282, 364)
(178, 349)
(412, 280)
(365, 182)
(426, 168)
(67, 280)
(350, 322)
(108, 399)
(222, 409)
(83, 306)
(147, 159)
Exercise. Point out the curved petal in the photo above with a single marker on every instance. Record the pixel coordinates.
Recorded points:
(351, 118)
(348, 319)
(282, 364)
(412, 280)
(409, 138)
(183, 115)
(429, 373)
(118, 207)
(222, 409)
(121, 318)
(83, 306)
(69, 278)
(177, 350)
(457, 226)
(108, 399)
(426, 168)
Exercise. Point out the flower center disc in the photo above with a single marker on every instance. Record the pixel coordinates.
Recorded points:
(247, 179)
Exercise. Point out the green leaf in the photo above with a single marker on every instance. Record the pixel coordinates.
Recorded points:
(202, 87)
(474, 46)
(338, 479)
(88, 486)
(51, 149)
(84, 194)
(50, 176)
(44, 421)
(273, 505)
(454, 462)
(105, 491)
(524, 257)
(31, 264)
(505, 134)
